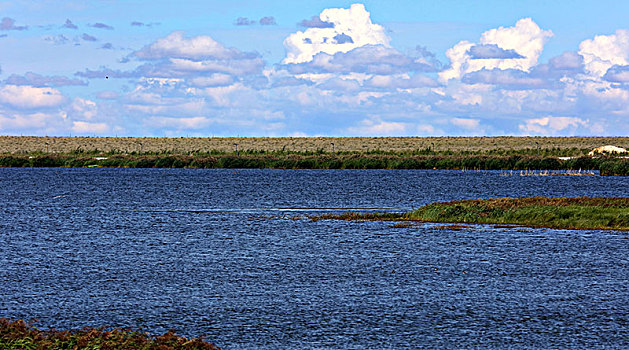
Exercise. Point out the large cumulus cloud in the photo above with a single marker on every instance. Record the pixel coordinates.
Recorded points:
(517, 47)
(339, 30)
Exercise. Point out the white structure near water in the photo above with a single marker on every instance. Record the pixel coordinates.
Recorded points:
(607, 150)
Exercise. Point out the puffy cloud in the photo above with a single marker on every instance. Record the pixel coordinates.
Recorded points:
(178, 57)
(105, 73)
(372, 59)
(508, 78)
(265, 21)
(101, 26)
(34, 123)
(315, 22)
(38, 80)
(192, 123)
(28, 97)
(354, 22)
(8, 23)
(216, 79)
(552, 125)
(57, 39)
(465, 123)
(526, 39)
(340, 84)
(488, 51)
(83, 109)
(617, 74)
(107, 46)
(177, 67)
(567, 61)
(142, 24)
(81, 127)
(108, 95)
(176, 46)
(377, 127)
(268, 21)
(69, 25)
(604, 51)
(388, 82)
(88, 37)
(244, 21)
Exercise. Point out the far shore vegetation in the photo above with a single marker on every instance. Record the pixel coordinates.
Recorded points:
(595, 213)
(463, 153)
(20, 335)
(323, 160)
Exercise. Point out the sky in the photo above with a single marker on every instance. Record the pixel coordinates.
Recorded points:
(272, 68)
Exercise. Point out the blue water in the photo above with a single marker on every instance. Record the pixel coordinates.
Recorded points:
(193, 251)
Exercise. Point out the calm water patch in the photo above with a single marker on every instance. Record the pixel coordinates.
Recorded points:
(182, 249)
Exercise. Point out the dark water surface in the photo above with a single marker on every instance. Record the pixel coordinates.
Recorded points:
(182, 250)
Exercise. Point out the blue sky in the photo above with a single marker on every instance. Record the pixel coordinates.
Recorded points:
(331, 68)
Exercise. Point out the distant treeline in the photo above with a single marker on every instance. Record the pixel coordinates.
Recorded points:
(607, 166)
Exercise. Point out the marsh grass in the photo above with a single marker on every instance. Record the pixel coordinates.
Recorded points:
(605, 213)
(563, 213)
(22, 335)
(608, 166)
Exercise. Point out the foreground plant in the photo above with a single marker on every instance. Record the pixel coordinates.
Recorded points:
(22, 335)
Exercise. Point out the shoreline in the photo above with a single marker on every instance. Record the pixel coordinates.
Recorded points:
(321, 160)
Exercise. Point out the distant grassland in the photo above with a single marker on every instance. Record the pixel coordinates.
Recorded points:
(556, 146)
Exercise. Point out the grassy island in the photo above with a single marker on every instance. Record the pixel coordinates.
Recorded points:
(22, 335)
(604, 213)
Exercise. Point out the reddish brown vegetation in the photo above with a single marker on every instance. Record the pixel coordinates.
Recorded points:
(515, 203)
(22, 335)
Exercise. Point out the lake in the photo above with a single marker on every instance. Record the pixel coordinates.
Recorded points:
(197, 251)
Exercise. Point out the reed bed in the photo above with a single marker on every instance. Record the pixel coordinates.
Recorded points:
(528, 165)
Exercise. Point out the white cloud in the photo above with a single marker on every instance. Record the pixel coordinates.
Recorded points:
(26, 122)
(175, 45)
(89, 128)
(83, 108)
(193, 123)
(526, 39)
(552, 125)
(465, 123)
(28, 97)
(604, 51)
(351, 28)
(108, 95)
(375, 126)
(213, 80)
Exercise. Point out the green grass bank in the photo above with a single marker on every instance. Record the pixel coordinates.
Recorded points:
(564, 213)
(596, 213)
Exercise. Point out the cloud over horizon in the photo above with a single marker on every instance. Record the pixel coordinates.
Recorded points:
(342, 74)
